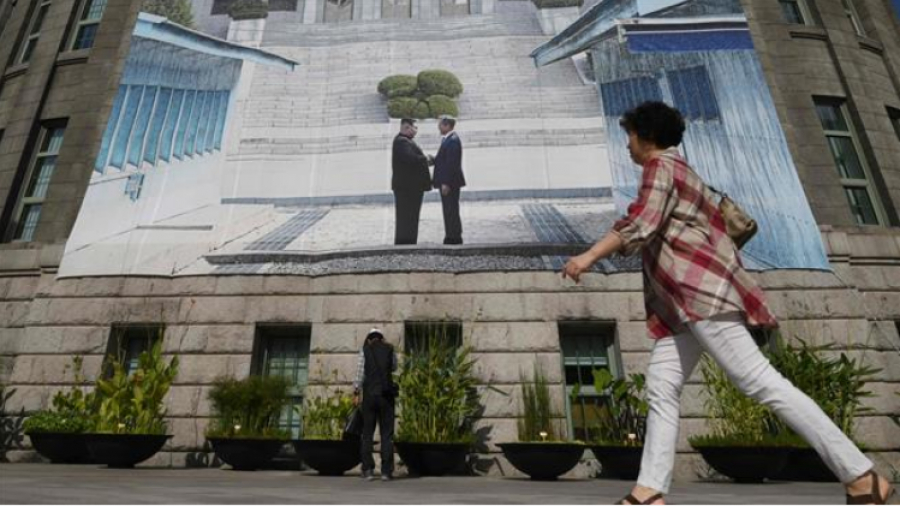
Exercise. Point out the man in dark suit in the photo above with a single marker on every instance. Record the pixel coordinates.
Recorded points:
(449, 178)
(410, 180)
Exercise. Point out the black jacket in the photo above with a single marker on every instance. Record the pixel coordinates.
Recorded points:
(410, 166)
(448, 163)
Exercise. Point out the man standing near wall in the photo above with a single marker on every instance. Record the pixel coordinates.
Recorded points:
(449, 178)
(410, 180)
(377, 361)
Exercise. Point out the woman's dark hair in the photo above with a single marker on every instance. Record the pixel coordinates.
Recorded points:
(655, 122)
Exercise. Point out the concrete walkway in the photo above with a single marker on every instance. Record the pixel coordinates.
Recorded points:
(87, 484)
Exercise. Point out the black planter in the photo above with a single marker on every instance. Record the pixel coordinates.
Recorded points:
(746, 464)
(804, 464)
(124, 450)
(61, 448)
(543, 461)
(329, 457)
(433, 459)
(623, 462)
(246, 454)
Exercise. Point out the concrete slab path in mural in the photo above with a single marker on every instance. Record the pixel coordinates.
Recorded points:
(51, 484)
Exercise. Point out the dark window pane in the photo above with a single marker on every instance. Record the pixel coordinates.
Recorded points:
(100, 164)
(85, 37)
(165, 149)
(93, 10)
(792, 12)
(156, 125)
(620, 96)
(136, 146)
(693, 94)
(286, 354)
(894, 114)
(120, 145)
(861, 205)
(39, 19)
(846, 157)
(831, 117)
(28, 222)
(183, 124)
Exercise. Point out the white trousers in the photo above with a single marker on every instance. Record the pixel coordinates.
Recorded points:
(726, 339)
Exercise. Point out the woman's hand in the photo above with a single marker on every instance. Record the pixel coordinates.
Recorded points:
(605, 247)
(577, 265)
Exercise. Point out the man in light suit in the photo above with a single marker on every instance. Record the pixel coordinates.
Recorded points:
(449, 178)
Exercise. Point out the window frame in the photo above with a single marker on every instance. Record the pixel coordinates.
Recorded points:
(806, 18)
(608, 332)
(80, 24)
(30, 38)
(893, 118)
(17, 232)
(265, 334)
(867, 184)
(853, 15)
(122, 335)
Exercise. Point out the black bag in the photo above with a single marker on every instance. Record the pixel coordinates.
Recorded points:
(354, 425)
(390, 390)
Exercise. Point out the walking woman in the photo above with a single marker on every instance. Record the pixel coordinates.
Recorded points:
(699, 299)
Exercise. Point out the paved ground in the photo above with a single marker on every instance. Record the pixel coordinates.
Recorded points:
(53, 484)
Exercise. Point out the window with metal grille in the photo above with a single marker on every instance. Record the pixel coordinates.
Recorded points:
(418, 334)
(283, 351)
(586, 346)
(90, 13)
(693, 94)
(620, 96)
(127, 342)
(852, 168)
(38, 177)
(795, 12)
(34, 31)
(853, 16)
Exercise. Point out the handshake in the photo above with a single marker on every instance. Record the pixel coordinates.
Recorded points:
(430, 160)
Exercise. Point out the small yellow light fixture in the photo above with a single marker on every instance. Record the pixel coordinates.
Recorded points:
(543, 436)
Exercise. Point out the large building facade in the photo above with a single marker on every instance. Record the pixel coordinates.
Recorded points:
(832, 68)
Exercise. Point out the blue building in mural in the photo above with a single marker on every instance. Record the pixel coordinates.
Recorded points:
(174, 99)
(698, 56)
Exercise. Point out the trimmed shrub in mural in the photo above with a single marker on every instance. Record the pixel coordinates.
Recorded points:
(431, 94)
(176, 11)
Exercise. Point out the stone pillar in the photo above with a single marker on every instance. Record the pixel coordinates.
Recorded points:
(310, 11)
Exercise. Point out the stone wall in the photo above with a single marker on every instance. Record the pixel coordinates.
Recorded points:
(509, 318)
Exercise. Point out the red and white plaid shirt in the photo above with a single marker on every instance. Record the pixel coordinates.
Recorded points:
(692, 270)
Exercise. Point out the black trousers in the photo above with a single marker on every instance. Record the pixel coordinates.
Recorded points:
(407, 206)
(452, 222)
(377, 409)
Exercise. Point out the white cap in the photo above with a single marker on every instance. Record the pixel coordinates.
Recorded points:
(375, 330)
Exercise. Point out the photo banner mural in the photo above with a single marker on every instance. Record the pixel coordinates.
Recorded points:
(241, 144)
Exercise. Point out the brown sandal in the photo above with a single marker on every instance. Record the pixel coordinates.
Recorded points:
(634, 500)
(875, 497)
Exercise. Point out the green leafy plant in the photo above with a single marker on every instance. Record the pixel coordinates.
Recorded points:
(176, 11)
(439, 82)
(72, 410)
(441, 105)
(431, 94)
(836, 384)
(11, 425)
(538, 420)
(249, 9)
(624, 409)
(732, 415)
(438, 399)
(400, 85)
(133, 403)
(324, 417)
(248, 408)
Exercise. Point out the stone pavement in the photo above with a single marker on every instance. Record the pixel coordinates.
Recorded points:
(54, 484)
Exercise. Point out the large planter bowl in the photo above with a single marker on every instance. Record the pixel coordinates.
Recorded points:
(245, 454)
(124, 450)
(543, 461)
(329, 457)
(61, 448)
(622, 462)
(804, 464)
(432, 459)
(746, 464)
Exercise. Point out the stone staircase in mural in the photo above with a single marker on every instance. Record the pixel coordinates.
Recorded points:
(329, 104)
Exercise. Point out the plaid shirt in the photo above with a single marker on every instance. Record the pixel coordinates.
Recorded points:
(692, 270)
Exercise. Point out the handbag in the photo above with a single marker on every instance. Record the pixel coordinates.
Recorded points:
(354, 425)
(740, 226)
(391, 389)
